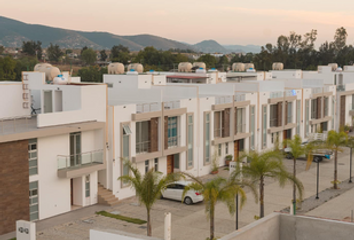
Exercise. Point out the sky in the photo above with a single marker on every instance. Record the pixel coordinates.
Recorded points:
(227, 21)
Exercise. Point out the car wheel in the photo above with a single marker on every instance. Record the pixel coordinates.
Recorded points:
(288, 156)
(188, 201)
(317, 159)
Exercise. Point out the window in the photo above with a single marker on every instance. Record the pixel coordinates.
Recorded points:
(172, 132)
(298, 116)
(146, 166)
(226, 148)
(126, 130)
(142, 137)
(326, 102)
(218, 124)
(252, 125)
(207, 137)
(219, 150)
(240, 121)
(87, 186)
(190, 141)
(176, 161)
(33, 157)
(75, 149)
(110, 85)
(264, 126)
(273, 115)
(307, 115)
(156, 164)
(314, 108)
(33, 200)
(290, 112)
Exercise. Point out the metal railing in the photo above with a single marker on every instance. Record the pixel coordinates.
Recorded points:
(316, 90)
(276, 95)
(273, 122)
(172, 105)
(148, 107)
(17, 124)
(340, 88)
(173, 141)
(241, 128)
(240, 97)
(290, 93)
(218, 132)
(80, 160)
(223, 99)
(327, 89)
(289, 119)
(142, 147)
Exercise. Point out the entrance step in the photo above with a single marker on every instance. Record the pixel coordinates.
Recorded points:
(106, 197)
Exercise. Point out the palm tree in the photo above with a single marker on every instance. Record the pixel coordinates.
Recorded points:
(218, 189)
(148, 187)
(267, 164)
(297, 149)
(335, 142)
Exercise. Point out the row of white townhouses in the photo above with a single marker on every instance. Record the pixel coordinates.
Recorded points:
(63, 141)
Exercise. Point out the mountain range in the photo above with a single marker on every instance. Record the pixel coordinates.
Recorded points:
(13, 33)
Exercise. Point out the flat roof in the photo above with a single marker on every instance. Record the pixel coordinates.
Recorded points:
(184, 77)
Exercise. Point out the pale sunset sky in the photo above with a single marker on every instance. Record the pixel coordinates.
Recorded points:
(226, 21)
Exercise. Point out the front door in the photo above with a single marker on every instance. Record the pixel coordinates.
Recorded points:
(48, 102)
(170, 164)
(236, 149)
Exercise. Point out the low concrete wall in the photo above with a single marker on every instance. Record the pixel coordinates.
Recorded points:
(264, 229)
(116, 235)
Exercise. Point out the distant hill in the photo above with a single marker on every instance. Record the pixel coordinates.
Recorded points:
(13, 33)
(210, 46)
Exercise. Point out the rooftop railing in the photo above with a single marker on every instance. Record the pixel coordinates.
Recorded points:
(240, 97)
(148, 107)
(172, 105)
(289, 93)
(340, 88)
(17, 124)
(276, 95)
(316, 90)
(223, 100)
(80, 160)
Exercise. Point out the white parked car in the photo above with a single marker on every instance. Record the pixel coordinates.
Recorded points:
(175, 191)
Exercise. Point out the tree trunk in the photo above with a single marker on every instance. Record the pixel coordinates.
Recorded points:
(261, 197)
(335, 170)
(294, 190)
(148, 225)
(212, 226)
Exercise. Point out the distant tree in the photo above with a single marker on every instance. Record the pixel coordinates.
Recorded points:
(223, 63)
(7, 68)
(68, 51)
(54, 53)
(2, 49)
(92, 74)
(83, 49)
(89, 56)
(103, 55)
(24, 64)
(340, 38)
(120, 54)
(32, 48)
(209, 60)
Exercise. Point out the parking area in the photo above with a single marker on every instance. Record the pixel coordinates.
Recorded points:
(190, 220)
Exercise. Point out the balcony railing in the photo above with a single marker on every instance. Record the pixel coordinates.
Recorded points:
(340, 88)
(289, 119)
(316, 90)
(273, 122)
(276, 95)
(172, 105)
(80, 160)
(218, 132)
(223, 100)
(173, 141)
(142, 147)
(17, 124)
(148, 107)
(290, 93)
(240, 97)
(241, 128)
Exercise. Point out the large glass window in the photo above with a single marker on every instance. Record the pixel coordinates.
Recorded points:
(240, 121)
(253, 123)
(218, 124)
(307, 115)
(146, 166)
(176, 161)
(273, 115)
(226, 148)
(326, 106)
(33, 157)
(172, 132)
(142, 137)
(207, 138)
(87, 186)
(190, 141)
(298, 116)
(264, 126)
(219, 150)
(314, 108)
(33, 200)
(290, 112)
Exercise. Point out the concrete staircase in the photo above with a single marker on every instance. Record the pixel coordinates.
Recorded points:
(106, 197)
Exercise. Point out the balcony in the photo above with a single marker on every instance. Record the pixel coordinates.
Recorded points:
(172, 105)
(290, 93)
(223, 100)
(173, 141)
(142, 147)
(18, 124)
(240, 128)
(70, 166)
(146, 111)
(240, 97)
(341, 88)
(316, 90)
(276, 95)
(241, 132)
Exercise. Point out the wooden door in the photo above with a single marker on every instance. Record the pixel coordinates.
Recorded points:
(236, 150)
(72, 191)
(342, 111)
(170, 164)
